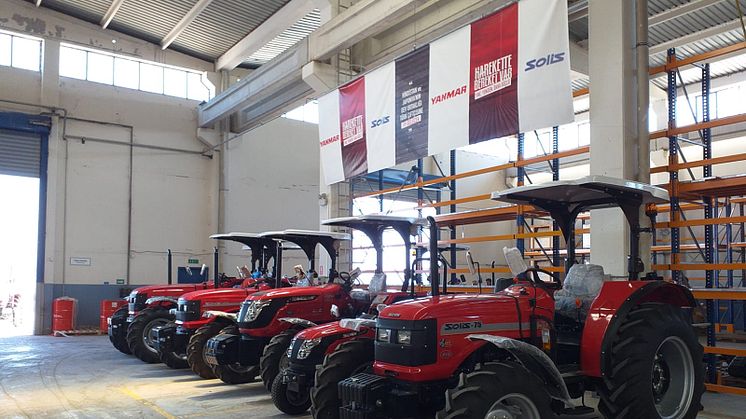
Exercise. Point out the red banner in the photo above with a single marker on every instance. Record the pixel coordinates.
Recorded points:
(493, 99)
(352, 128)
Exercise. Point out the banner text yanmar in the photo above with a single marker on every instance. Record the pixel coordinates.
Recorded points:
(506, 73)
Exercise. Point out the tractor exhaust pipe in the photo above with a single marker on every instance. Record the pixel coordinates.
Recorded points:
(170, 267)
(433, 245)
(215, 275)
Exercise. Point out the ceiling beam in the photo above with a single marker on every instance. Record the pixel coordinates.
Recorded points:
(282, 19)
(696, 36)
(184, 23)
(678, 11)
(109, 16)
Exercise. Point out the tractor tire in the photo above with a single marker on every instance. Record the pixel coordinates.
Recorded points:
(173, 359)
(235, 374)
(120, 340)
(138, 333)
(348, 359)
(498, 386)
(287, 401)
(196, 349)
(274, 357)
(656, 366)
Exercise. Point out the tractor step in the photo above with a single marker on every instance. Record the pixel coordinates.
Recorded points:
(579, 411)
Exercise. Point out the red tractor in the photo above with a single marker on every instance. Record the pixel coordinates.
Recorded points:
(268, 320)
(154, 301)
(354, 337)
(173, 340)
(512, 354)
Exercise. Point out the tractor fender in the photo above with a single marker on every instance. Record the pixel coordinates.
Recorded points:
(153, 300)
(610, 308)
(535, 360)
(220, 314)
(357, 324)
(295, 321)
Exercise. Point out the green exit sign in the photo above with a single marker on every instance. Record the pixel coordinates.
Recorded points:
(193, 261)
(120, 281)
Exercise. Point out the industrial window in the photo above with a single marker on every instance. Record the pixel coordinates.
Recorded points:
(20, 51)
(117, 70)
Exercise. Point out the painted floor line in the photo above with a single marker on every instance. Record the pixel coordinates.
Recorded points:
(131, 394)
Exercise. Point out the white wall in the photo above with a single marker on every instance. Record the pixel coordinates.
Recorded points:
(271, 183)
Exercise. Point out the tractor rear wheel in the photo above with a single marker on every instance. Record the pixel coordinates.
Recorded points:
(274, 357)
(497, 390)
(235, 373)
(196, 349)
(173, 359)
(119, 339)
(140, 337)
(655, 366)
(348, 359)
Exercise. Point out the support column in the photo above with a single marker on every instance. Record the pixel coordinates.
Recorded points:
(618, 120)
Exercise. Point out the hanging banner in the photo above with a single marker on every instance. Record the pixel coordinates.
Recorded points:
(331, 147)
(380, 92)
(504, 74)
(448, 127)
(412, 96)
(352, 128)
(493, 100)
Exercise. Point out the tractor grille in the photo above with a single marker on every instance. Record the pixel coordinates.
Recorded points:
(423, 346)
(187, 310)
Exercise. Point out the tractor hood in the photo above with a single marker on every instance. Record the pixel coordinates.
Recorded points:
(327, 289)
(462, 305)
(222, 294)
(174, 290)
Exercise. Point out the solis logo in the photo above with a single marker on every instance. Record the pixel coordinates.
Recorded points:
(550, 59)
(380, 121)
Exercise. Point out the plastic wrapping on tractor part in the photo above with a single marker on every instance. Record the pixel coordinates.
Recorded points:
(377, 284)
(515, 260)
(581, 287)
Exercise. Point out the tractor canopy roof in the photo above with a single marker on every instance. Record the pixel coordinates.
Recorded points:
(373, 225)
(308, 239)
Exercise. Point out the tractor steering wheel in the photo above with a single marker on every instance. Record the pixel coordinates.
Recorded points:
(346, 277)
(555, 284)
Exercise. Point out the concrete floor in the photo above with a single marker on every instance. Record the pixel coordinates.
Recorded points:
(85, 377)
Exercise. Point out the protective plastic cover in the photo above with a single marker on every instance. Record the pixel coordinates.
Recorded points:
(377, 284)
(581, 287)
(515, 260)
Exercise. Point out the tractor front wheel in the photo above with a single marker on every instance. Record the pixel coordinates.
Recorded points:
(350, 358)
(235, 373)
(119, 337)
(498, 390)
(173, 359)
(655, 366)
(274, 358)
(196, 349)
(140, 336)
(289, 402)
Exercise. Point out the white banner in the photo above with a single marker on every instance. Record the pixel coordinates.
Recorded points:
(331, 148)
(544, 89)
(449, 92)
(380, 95)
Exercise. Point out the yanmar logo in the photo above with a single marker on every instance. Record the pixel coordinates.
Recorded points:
(329, 140)
(449, 95)
(550, 59)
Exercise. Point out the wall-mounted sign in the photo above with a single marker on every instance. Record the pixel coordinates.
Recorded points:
(193, 261)
(80, 261)
(120, 281)
(504, 74)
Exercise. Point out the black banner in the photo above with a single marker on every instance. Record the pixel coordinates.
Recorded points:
(412, 95)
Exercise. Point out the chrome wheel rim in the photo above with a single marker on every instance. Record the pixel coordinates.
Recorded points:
(672, 378)
(513, 406)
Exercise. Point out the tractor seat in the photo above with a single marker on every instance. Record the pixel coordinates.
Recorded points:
(361, 295)
(582, 285)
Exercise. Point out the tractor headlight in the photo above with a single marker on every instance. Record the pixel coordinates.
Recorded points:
(404, 337)
(307, 346)
(383, 335)
(252, 309)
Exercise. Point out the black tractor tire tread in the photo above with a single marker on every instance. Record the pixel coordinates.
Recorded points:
(196, 349)
(623, 394)
(269, 363)
(474, 394)
(121, 344)
(337, 366)
(135, 330)
(279, 398)
(172, 359)
(228, 375)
